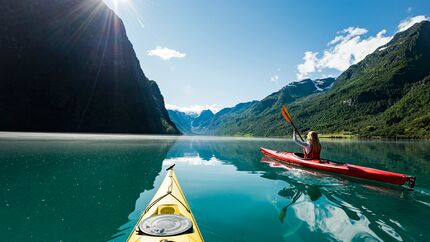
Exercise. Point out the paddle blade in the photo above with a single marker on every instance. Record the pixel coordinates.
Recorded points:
(282, 214)
(287, 113)
(285, 116)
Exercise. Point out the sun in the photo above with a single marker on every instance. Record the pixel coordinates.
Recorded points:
(116, 3)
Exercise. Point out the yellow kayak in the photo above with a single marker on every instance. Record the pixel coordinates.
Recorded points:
(168, 216)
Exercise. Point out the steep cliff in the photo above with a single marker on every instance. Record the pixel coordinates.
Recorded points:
(68, 66)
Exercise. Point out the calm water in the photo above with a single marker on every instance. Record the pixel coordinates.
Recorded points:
(94, 188)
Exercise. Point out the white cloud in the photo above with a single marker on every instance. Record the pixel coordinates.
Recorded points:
(347, 48)
(350, 32)
(274, 79)
(195, 108)
(165, 53)
(351, 50)
(407, 23)
(309, 65)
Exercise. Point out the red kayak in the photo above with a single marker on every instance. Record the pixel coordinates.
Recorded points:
(341, 168)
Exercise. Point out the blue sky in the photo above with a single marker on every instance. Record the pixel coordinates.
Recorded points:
(219, 53)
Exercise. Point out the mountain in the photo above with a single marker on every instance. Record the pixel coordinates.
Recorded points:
(204, 116)
(68, 66)
(242, 118)
(192, 123)
(225, 115)
(386, 94)
(183, 121)
(200, 123)
(262, 118)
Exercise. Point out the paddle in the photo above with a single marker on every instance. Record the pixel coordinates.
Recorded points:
(283, 212)
(289, 119)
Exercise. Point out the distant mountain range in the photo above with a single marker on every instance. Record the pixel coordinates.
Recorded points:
(68, 66)
(385, 95)
(183, 120)
(235, 120)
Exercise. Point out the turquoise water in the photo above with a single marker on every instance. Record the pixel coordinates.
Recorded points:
(94, 188)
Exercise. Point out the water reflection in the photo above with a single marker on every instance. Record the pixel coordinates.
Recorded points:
(344, 212)
(321, 210)
(59, 189)
(345, 209)
(192, 160)
(100, 187)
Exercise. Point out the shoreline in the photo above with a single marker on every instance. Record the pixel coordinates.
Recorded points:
(79, 136)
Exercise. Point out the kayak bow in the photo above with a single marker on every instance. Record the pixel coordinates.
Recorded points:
(168, 216)
(341, 168)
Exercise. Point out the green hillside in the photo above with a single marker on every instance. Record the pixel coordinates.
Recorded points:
(367, 98)
(263, 118)
(384, 95)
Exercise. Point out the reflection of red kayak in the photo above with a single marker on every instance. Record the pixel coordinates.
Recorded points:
(344, 169)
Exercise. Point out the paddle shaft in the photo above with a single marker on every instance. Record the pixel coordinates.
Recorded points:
(294, 126)
(289, 119)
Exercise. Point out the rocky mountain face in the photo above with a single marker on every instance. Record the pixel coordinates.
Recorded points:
(68, 66)
(203, 118)
(191, 123)
(183, 121)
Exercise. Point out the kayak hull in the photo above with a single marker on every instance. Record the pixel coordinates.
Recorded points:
(341, 168)
(169, 199)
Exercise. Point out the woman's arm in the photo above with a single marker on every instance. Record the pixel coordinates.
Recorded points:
(301, 143)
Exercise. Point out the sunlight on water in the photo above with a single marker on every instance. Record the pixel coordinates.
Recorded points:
(191, 161)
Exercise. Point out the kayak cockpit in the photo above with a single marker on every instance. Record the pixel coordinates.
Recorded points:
(321, 161)
(300, 155)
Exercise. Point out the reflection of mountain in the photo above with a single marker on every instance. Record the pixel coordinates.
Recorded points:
(321, 215)
(347, 211)
(73, 190)
(243, 153)
(334, 210)
(402, 157)
(343, 208)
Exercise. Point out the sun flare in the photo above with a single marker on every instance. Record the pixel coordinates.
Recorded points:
(116, 3)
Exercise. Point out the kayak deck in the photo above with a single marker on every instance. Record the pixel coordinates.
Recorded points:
(341, 168)
(169, 199)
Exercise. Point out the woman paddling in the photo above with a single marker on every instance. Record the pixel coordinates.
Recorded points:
(311, 148)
